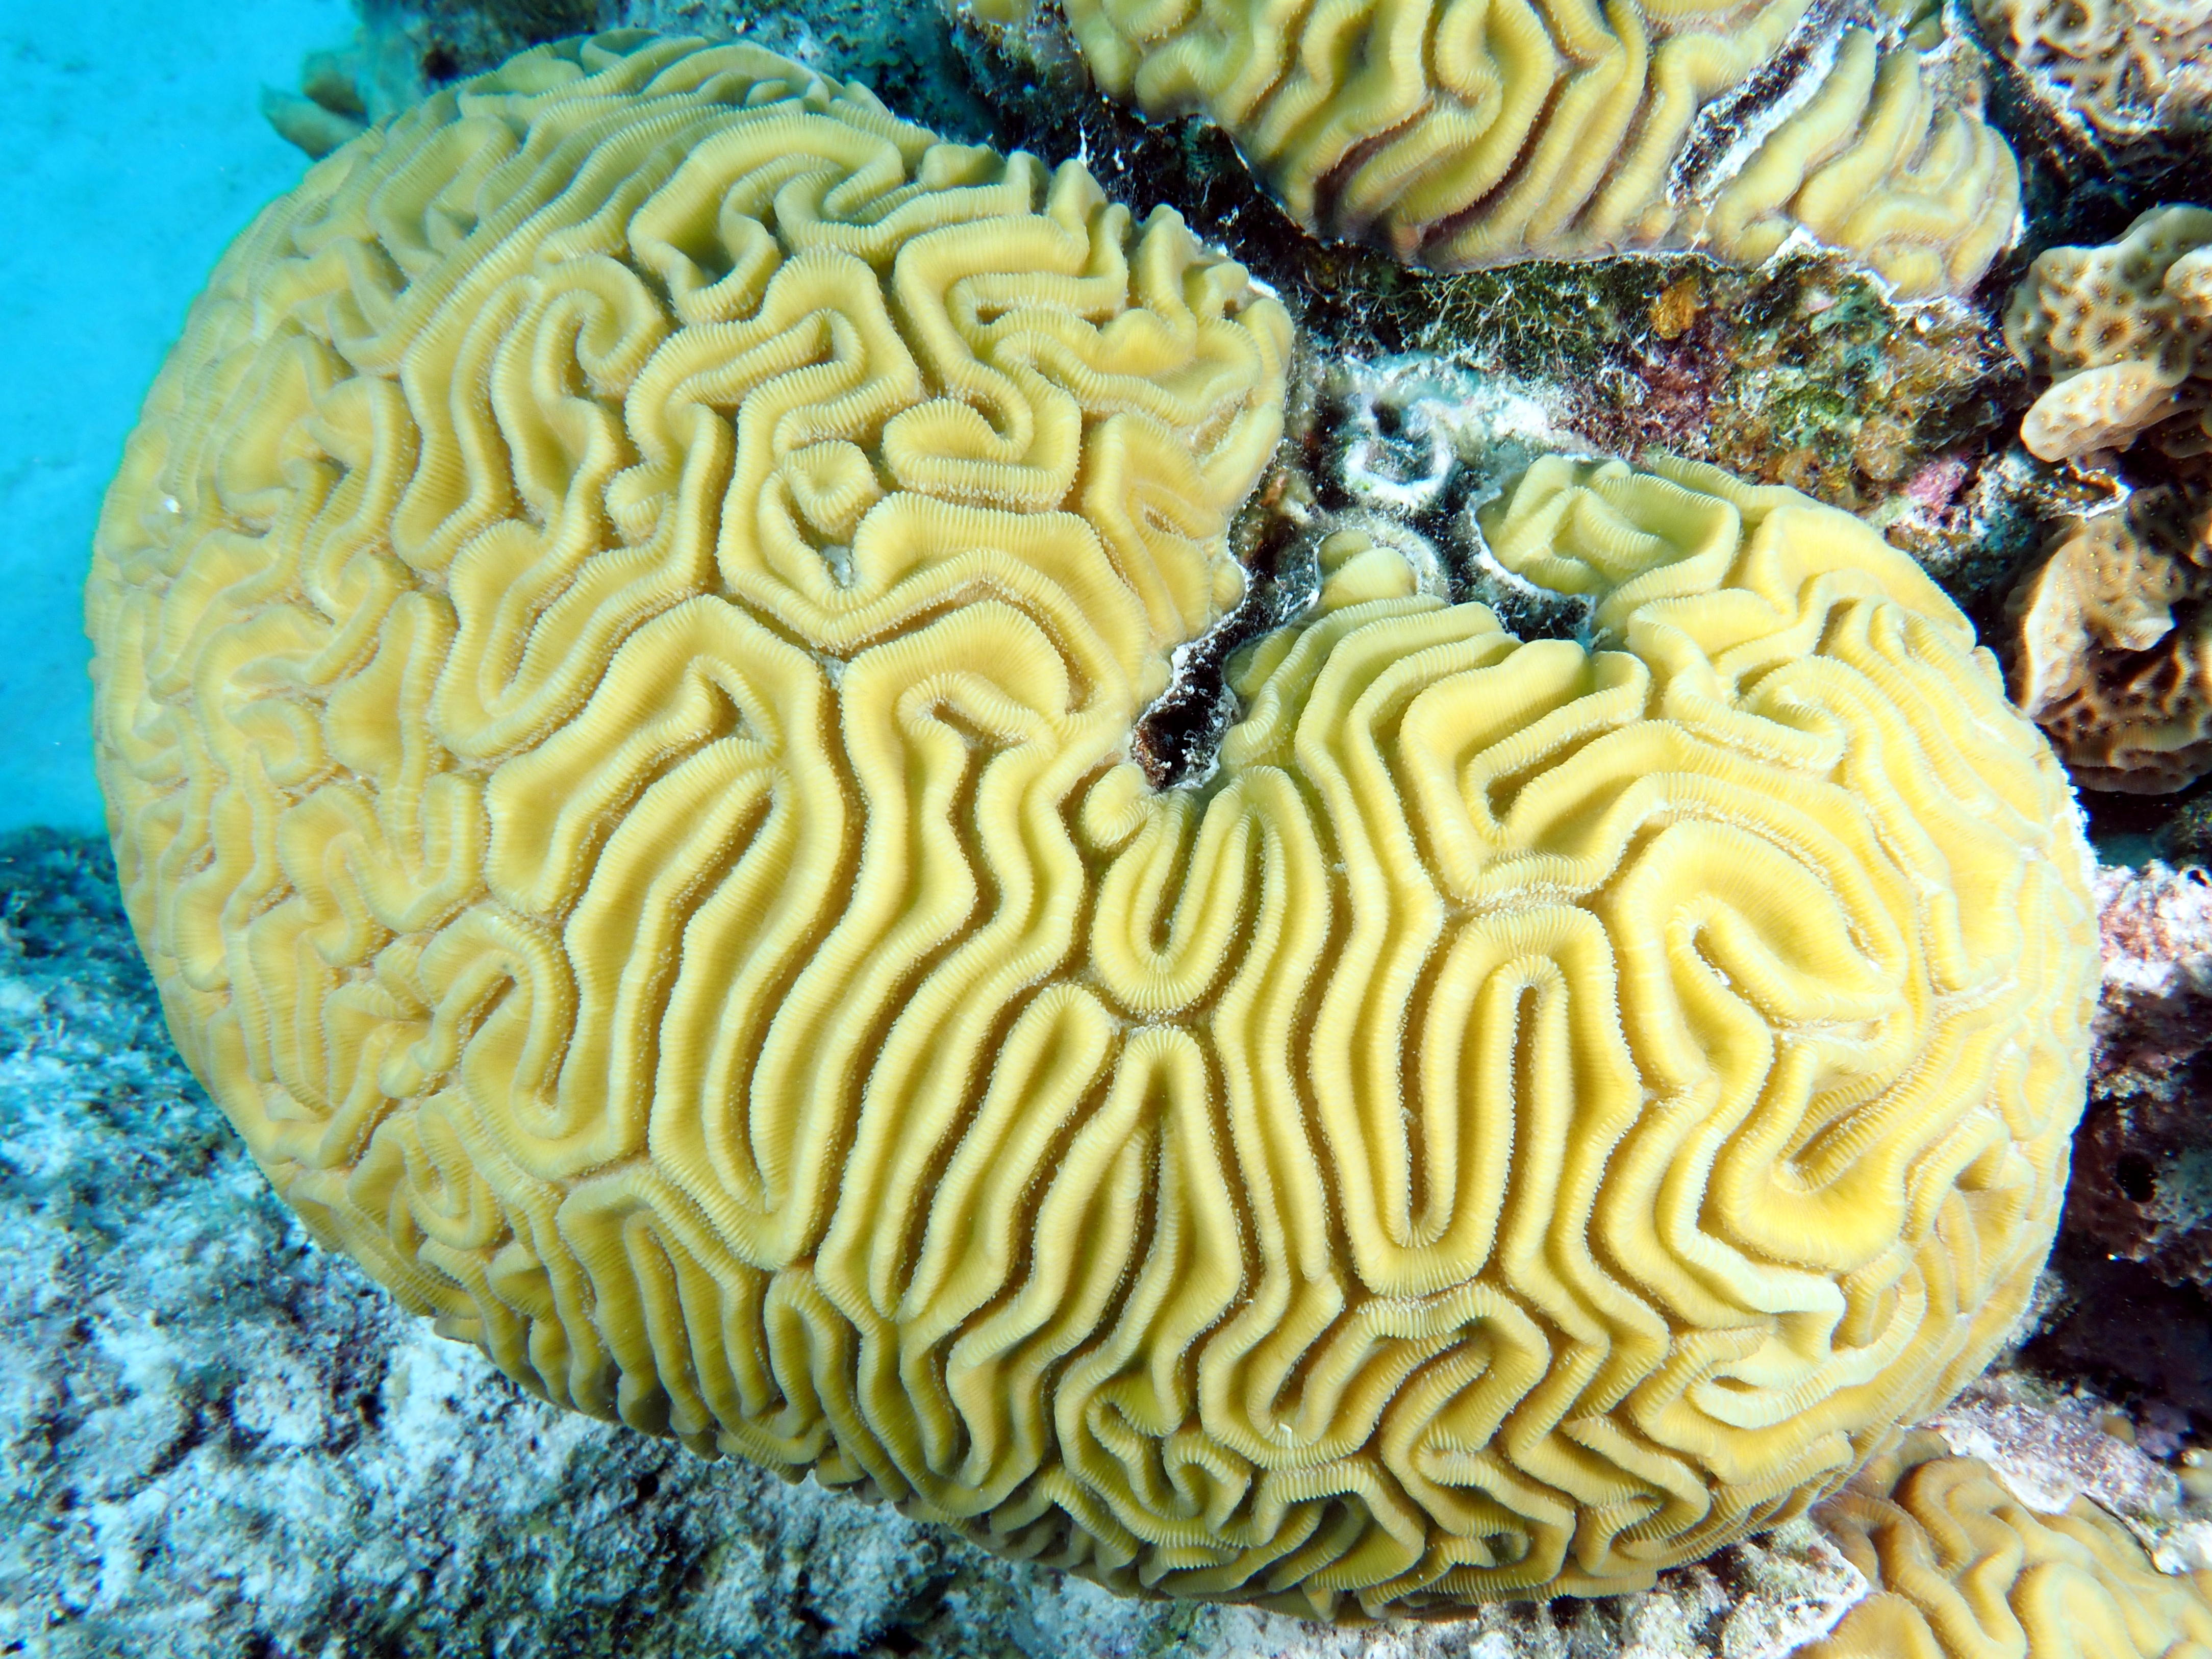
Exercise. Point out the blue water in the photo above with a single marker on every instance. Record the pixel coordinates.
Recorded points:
(135, 150)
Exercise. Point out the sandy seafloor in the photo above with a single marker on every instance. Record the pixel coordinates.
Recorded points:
(136, 150)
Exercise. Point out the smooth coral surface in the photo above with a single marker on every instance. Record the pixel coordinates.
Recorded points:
(619, 643)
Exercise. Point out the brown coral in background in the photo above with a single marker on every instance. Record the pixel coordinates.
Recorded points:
(2113, 73)
(2125, 331)
(2141, 1181)
(2112, 652)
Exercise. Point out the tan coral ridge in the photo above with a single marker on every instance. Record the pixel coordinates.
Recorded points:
(1965, 1571)
(2124, 76)
(1460, 133)
(618, 642)
(2113, 649)
(2125, 331)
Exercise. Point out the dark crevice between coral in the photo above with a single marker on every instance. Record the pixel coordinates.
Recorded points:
(1178, 736)
(2126, 1330)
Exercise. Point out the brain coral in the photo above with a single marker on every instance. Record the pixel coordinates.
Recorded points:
(618, 642)
(1454, 133)
(1965, 1571)
(2126, 332)
(2113, 657)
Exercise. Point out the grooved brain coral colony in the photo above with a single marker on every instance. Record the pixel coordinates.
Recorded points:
(621, 640)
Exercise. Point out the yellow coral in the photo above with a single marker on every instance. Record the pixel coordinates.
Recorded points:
(1453, 133)
(1965, 1571)
(619, 640)
(2125, 332)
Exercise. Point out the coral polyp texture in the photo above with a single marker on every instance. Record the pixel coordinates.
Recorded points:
(2110, 656)
(1456, 133)
(2125, 331)
(1964, 1569)
(620, 645)
(2120, 75)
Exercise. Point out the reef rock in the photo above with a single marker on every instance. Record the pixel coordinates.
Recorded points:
(2051, 1449)
(2142, 1183)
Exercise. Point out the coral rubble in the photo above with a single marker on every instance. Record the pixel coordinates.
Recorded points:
(2128, 1308)
(2142, 1183)
(2051, 1449)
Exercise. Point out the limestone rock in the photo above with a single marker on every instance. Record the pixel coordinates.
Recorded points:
(2142, 1183)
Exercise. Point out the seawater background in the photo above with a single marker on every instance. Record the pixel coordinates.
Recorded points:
(135, 151)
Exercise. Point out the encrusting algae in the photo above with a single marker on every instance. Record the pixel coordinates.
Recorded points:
(618, 642)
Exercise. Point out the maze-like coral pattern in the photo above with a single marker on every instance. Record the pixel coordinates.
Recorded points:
(619, 639)
(1455, 133)
(1963, 1570)
(2125, 76)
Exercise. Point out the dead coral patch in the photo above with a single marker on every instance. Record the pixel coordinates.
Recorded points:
(1803, 372)
(2142, 1183)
